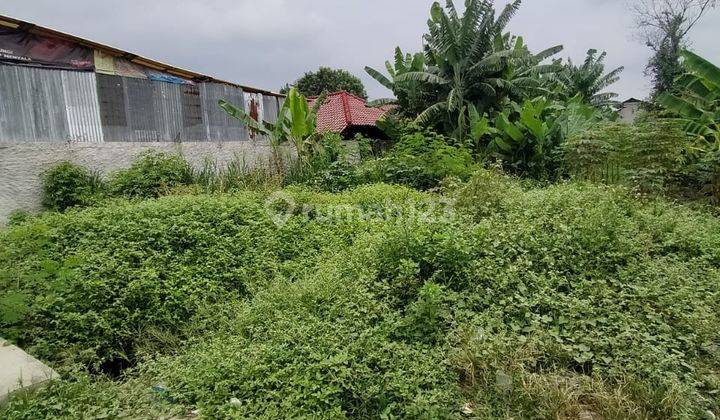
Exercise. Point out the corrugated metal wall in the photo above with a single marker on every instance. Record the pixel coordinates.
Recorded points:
(57, 105)
(219, 125)
(270, 106)
(81, 106)
(48, 105)
(144, 110)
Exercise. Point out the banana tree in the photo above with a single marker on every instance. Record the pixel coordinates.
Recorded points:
(296, 123)
(698, 105)
(589, 80)
(467, 60)
(526, 136)
(408, 94)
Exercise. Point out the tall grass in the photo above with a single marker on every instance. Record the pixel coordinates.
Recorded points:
(240, 174)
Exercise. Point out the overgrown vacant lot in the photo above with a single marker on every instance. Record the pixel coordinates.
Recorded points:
(565, 301)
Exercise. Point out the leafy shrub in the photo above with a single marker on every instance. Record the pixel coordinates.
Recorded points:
(562, 301)
(698, 177)
(594, 155)
(110, 272)
(331, 167)
(18, 217)
(366, 147)
(67, 185)
(422, 159)
(646, 156)
(151, 175)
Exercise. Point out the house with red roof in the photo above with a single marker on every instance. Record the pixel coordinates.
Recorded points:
(348, 115)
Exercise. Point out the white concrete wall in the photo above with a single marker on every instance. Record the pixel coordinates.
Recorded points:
(629, 111)
(21, 164)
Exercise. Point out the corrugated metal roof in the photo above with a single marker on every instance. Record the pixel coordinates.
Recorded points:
(143, 61)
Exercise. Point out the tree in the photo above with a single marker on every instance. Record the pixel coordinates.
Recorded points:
(468, 62)
(698, 100)
(411, 95)
(663, 26)
(328, 80)
(589, 80)
(297, 123)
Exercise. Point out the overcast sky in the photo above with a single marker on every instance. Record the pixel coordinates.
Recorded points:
(266, 43)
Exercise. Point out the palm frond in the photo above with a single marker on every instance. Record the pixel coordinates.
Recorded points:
(390, 69)
(452, 12)
(679, 106)
(545, 54)
(398, 58)
(243, 117)
(431, 113)
(609, 78)
(544, 69)
(381, 102)
(421, 76)
(320, 101)
(508, 12)
(701, 67)
(380, 78)
(590, 58)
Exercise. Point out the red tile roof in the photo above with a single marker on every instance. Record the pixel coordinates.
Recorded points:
(343, 109)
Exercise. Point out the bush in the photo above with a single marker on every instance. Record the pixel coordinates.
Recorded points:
(698, 178)
(562, 301)
(422, 159)
(18, 217)
(646, 156)
(69, 185)
(329, 169)
(153, 174)
(82, 287)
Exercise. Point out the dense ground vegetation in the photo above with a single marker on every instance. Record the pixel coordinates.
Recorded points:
(512, 251)
(514, 302)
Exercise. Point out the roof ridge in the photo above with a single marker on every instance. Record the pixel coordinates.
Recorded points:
(340, 92)
(346, 108)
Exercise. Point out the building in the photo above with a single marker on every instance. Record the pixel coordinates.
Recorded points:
(348, 115)
(68, 98)
(629, 110)
(60, 88)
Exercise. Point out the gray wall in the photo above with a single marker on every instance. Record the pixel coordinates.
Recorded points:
(21, 164)
(629, 112)
(103, 122)
(48, 105)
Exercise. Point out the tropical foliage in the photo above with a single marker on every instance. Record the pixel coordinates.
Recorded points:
(589, 80)
(698, 104)
(376, 302)
(526, 136)
(506, 253)
(479, 84)
(296, 123)
(67, 185)
(469, 61)
(151, 175)
(411, 94)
